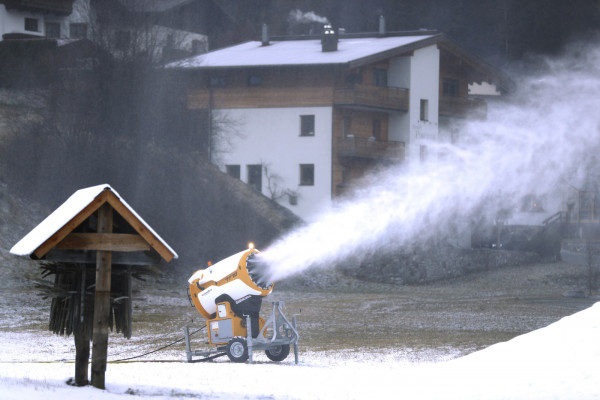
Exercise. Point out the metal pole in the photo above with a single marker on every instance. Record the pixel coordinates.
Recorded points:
(249, 337)
(296, 341)
(188, 347)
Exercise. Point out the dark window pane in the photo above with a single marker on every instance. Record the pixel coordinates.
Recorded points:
(307, 174)
(255, 177)
(233, 170)
(307, 125)
(31, 24)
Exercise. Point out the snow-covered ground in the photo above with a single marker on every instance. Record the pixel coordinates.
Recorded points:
(561, 361)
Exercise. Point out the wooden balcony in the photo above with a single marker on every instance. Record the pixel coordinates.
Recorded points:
(356, 147)
(463, 107)
(389, 98)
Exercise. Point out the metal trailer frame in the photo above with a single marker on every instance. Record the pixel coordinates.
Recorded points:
(284, 333)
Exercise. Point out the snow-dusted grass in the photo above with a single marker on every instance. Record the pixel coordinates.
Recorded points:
(560, 361)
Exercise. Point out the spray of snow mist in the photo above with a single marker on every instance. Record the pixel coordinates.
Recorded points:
(541, 138)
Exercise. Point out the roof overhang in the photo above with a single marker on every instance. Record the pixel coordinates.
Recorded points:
(55, 232)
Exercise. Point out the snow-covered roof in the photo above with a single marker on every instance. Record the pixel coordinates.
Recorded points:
(302, 52)
(79, 202)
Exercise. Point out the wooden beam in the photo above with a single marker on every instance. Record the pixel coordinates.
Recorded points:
(72, 224)
(139, 227)
(103, 241)
(89, 257)
(102, 302)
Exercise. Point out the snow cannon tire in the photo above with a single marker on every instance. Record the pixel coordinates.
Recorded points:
(237, 349)
(278, 353)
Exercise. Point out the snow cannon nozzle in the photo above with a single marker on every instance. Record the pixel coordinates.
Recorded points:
(259, 271)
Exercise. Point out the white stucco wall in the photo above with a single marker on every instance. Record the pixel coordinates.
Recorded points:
(399, 76)
(399, 72)
(420, 74)
(14, 22)
(271, 136)
(424, 84)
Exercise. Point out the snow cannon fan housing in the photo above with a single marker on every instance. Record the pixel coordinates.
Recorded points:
(239, 279)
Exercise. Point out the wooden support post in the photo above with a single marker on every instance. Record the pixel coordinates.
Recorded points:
(82, 355)
(102, 301)
(82, 337)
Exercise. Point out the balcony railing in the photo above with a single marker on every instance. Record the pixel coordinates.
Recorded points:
(463, 107)
(350, 146)
(390, 98)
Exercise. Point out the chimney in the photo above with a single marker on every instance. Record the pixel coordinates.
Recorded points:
(265, 35)
(381, 25)
(329, 39)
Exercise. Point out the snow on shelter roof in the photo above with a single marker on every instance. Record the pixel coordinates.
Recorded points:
(74, 206)
(301, 52)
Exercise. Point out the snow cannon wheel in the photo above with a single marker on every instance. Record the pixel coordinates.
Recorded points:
(237, 350)
(278, 353)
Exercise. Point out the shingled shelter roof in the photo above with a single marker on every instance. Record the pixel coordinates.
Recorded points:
(80, 206)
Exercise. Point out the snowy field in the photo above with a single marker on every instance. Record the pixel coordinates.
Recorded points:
(561, 361)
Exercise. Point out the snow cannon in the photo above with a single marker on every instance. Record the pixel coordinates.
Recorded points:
(239, 279)
(229, 295)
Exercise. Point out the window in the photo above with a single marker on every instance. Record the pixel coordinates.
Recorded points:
(307, 174)
(233, 170)
(255, 177)
(450, 87)
(424, 112)
(347, 126)
(376, 129)
(217, 81)
(77, 31)
(307, 125)
(31, 24)
(53, 30)
(254, 80)
(380, 77)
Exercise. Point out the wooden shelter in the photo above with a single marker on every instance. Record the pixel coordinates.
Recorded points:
(94, 224)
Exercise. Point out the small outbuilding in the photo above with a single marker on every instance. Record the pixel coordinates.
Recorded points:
(80, 243)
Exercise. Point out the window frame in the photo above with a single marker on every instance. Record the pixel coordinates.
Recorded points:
(307, 174)
(450, 87)
(424, 110)
(217, 81)
(380, 77)
(306, 122)
(254, 80)
(31, 24)
(347, 126)
(249, 174)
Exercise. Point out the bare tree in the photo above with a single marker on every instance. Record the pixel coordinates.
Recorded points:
(275, 185)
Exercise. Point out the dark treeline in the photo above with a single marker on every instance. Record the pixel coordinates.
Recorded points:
(494, 29)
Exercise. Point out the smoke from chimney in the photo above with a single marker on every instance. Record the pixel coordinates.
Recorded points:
(299, 17)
